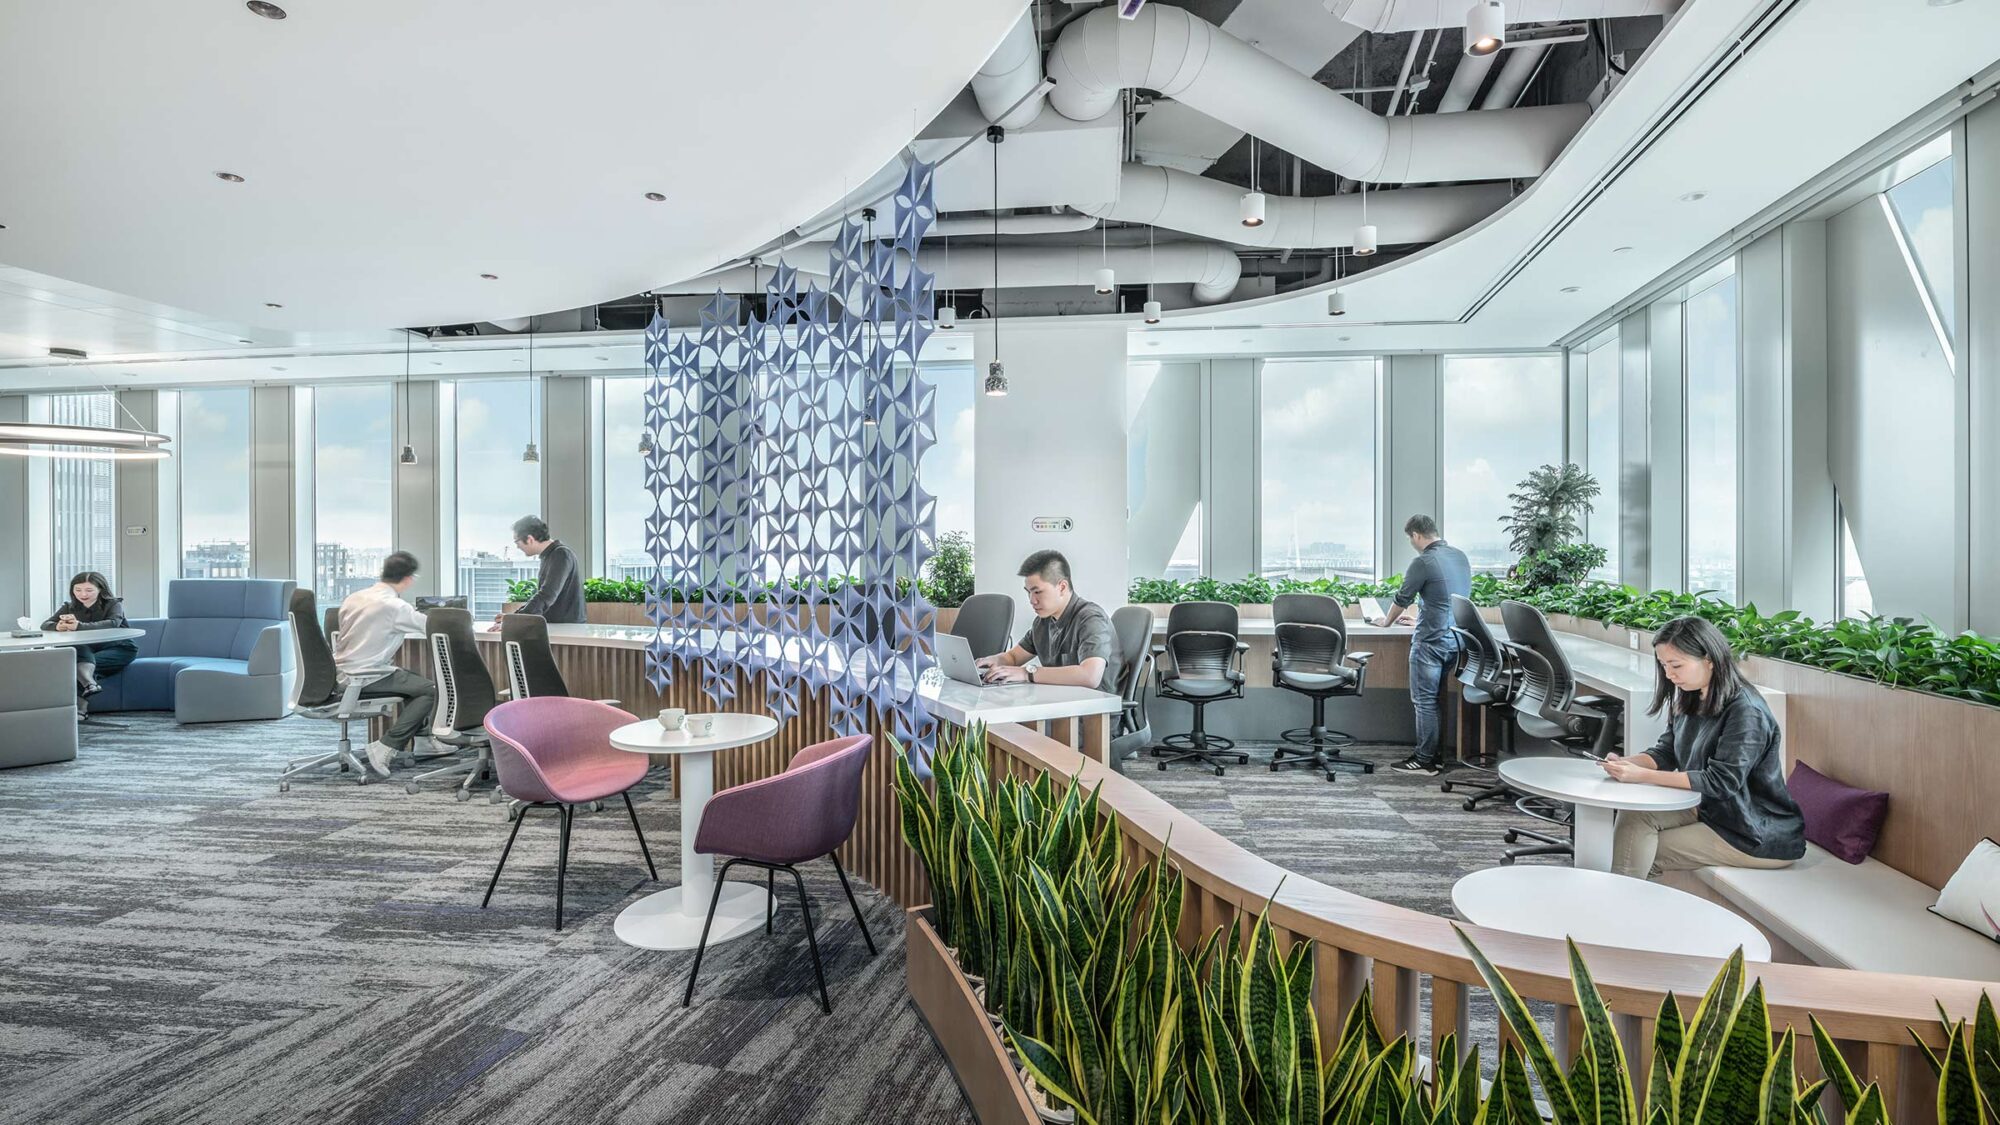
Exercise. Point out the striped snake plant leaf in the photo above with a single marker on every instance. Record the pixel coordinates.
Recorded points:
(1087, 1048)
(1704, 1039)
(1661, 1089)
(1229, 1062)
(1046, 1068)
(1730, 1095)
(1305, 1033)
(1869, 1110)
(1511, 1090)
(1257, 1010)
(1166, 1044)
(1130, 1041)
(1610, 1079)
(1445, 1069)
(1779, 1096)
(1834, 1065)
(1469, 1103)
(1986, 1055)
(1807, 1104)
(1958, 1100)
(1562, 1102)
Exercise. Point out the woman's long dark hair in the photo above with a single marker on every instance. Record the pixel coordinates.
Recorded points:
(104, 595)
(1699, 638)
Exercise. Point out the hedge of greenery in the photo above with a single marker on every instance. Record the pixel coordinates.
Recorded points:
(948, 582)
(1897, 651)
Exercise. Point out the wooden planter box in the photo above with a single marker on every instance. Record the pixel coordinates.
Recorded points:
(957, 1021)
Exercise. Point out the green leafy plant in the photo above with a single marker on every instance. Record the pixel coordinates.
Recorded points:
(1558, 566)
(1547, 505)
(947, 580)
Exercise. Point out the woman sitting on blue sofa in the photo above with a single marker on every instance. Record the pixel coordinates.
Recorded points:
(92, 606)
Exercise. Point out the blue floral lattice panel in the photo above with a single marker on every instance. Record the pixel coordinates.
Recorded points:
(788, 523)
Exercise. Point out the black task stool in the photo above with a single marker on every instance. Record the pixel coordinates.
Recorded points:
(1201, 663)
(1487, 680)
(1310, 657)
(1547, 706)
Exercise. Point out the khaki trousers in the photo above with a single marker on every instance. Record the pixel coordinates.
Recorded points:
(1646, 844)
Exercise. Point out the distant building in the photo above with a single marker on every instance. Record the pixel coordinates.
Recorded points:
(483, 579)
(220, 559)
(85, 495)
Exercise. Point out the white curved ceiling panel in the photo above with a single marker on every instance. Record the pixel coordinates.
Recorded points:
(393, 151)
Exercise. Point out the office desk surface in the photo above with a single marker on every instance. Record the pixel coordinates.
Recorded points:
(52, 639)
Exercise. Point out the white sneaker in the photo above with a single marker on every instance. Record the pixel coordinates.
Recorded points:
(380, 754)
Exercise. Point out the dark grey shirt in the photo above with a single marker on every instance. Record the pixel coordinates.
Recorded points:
(1083, 631)
(559, 588)
(1734, 761)
(1435, 575)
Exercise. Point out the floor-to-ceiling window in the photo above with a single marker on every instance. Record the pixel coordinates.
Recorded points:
(1921, 204)
(1163, 452)
(1316, 463)
(85, 508)
(354, 454)
(1855, 599)
(626, 502)
(946, 468)
(495, 487)
(213, 456)
(1602, 450)
(1502, 418)
(1713, 392)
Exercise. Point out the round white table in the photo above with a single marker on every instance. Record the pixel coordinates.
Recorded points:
(671, 919)
(1598, 799)
(51, 639)
(1599, 908)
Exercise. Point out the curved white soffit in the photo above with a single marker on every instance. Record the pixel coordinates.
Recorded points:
(394, 151)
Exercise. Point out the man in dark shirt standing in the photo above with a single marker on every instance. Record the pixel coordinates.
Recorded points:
(559, 587)
(1072, 637)
(1439, 571)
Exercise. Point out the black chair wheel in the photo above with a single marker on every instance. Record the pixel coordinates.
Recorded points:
(1330, 775)
(1242, 759)
(1471, 805)
(1218, 771)
(1510, 836)
(410, 787)
(1274, 767)
(1506, 861)
(463, 795)
(284, 787)
(1444, 787)
(1163, 765)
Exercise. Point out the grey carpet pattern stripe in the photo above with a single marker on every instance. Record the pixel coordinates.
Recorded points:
(179, 942)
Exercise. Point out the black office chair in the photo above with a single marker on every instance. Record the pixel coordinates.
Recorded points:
(1487, 680)
(465, 695)
(1310, 657)
(323, 696)
(1133, 625)
(986, 621)
(531, 663)
(1547, 706)
(1204, 665)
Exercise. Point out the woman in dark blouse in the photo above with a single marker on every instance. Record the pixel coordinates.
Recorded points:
(1721, 742)
(91, 606)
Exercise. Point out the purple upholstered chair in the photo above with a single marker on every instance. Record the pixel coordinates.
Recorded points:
(780, 821)
(553, 751)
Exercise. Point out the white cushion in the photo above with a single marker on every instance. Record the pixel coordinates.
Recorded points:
(1866, 916)
(1972, 896)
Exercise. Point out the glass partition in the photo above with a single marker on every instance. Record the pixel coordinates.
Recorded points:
(1316, 438)
(1502, 419)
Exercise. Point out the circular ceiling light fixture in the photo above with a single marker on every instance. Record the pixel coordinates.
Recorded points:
(71, 452)
(656, 197)
(229, 177)
(267, 10)
(1485, 27)
(1572, 288)
(1694, 197)
(63, 434)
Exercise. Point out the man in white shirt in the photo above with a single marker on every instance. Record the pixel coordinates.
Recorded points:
(373, 625)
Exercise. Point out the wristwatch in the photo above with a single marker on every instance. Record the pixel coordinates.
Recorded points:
(1031, 675)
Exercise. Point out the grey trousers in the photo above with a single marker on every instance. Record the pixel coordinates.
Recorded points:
(1647, 844)
(418, 696)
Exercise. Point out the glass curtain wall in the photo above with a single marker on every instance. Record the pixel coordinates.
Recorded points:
(946, 468)
(1316, 460)
(354, 454)
(85, 497)
(1502, 419)
(1921, 205)
(1163, 463)
(495, 487)
(1713, 390)
(212, 452)
(1602, 449)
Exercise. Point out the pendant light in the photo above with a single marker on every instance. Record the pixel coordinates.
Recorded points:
(1152, 306)
(1336, 301)
(1485, 27)
(65, 441)
(531, 455)
(1253, 200)
(947, 313)
(645, 443)
(996, 372)
(1365, 235)
(867, 389)
(1106, 279)
(409, 454)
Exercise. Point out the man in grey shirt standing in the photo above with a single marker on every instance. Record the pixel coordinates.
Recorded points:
(559, 588)
(1439, 571)
(1072, 637)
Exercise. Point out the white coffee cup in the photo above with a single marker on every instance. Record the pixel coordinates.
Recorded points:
(673, 718)
(701, 726)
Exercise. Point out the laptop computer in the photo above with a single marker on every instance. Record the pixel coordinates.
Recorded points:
(954, 659)
(428, 601)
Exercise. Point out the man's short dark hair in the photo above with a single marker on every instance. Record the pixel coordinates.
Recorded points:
(1050, 566)
(531, 527)
(398, 566)
(1421, 525)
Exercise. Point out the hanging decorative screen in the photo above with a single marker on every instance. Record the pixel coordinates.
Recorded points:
(789, 524)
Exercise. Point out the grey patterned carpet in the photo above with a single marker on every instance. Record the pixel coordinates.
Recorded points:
(181, 943)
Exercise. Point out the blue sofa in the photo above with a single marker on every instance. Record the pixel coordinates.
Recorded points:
(222, 652)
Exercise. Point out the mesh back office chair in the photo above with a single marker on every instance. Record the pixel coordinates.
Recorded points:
(465, 695)
(1546, 705)
(1487, 680)
(1310, 657)
(1133, 625)
(986, 621)
(1204, 665)
(322, 695)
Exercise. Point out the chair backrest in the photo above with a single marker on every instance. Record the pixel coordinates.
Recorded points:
(1485, 664)
(1310, 633)
(531, 664)
(319, 681)
(986, 621)
(801, 814)
(222, 617)
(1133, 625)
(1201, 639)
(537, 741)
(465, 690)
(1547, 684)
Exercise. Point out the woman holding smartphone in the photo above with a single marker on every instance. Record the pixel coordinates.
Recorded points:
(92, 606)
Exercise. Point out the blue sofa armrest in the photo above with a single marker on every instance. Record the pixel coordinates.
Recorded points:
(149, 645)
(272, 654)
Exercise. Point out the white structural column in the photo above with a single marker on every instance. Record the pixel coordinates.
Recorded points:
(1229, 421)
(415, 505)
(14, 538)
(1635, 472)
(1412, 414)
(569, 448)
(274, 512)
(1978, 292)
(1666, 548)
(136, 538)
(1054, 446)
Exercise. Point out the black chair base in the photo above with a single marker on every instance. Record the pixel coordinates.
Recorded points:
(1319, 748)
(805, 912)
(1541, 808)
(1198, 746)
(564, 813)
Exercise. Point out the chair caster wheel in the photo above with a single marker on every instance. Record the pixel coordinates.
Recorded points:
(463, 795)
(1242, 759)
(1274, 767)
(1509, 836)
(495, 797)
(1470, 805)
(1506, 861)
(343, 767)
(410, 787)
(1218, 771)
(1163, 766)
(1444, 786)
(284, 787)
(1329, 775)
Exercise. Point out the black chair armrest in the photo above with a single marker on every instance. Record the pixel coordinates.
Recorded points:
(1360, 658)
(1242, 646)
(1597, 701)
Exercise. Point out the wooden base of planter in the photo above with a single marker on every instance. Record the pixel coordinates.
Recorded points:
(957, 1021)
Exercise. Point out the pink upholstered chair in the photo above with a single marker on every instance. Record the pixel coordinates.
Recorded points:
(780, 821)
(555, 752)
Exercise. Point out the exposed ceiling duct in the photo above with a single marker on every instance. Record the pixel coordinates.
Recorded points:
(973, 227)
(1514, 74)
(1415, 15)
(1187, 58)
(1201, 206)
(1014, 71)
(1466, 79)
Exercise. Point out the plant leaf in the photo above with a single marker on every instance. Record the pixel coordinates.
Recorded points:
(1604, 1054)
(1515, 1011)
(1730, 1095)
(1834, 1065)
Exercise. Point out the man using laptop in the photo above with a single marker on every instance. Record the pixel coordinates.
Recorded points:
(1072, 637)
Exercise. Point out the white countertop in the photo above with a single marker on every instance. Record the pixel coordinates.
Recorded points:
(1582, 781)
(1599, 908)
(50, 638)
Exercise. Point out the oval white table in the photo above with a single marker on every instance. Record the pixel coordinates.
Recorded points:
(49, 638)
(671, 919)
(1598, 799)
(1599, 908)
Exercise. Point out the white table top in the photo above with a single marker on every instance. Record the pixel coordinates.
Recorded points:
(1584, 782)
(52, 639)
(1599, 908)
(962, 704)
(732, 729)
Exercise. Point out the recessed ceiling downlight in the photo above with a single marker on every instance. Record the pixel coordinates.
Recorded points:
(1572, 289)
(229, 177)
(1694, 197)
(490, 276)
(68, 353)
(1621, 249)
(656, 197)
(273, 305)
(268, 11)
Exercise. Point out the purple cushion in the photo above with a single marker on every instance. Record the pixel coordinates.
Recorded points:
(1840, 818)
